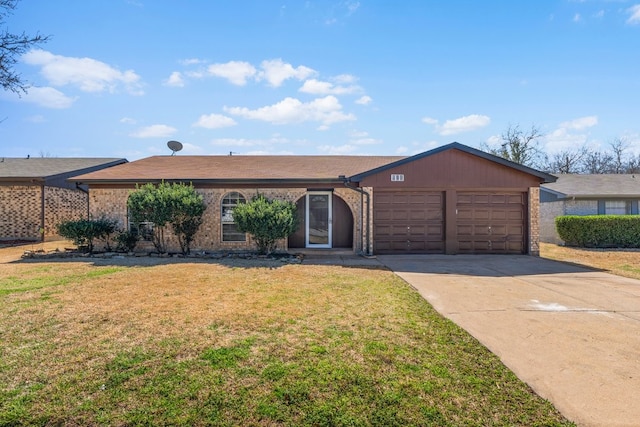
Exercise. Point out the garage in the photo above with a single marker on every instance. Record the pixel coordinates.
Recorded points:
(454, 200)
(410, 222)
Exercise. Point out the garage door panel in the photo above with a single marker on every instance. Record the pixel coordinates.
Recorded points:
(428, 214)
(408, 222)
(491, 222)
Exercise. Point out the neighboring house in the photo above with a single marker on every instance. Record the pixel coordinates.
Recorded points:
(597, 194)
(35, 195)
(453, 199)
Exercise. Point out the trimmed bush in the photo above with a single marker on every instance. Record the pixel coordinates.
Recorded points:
(175, 204)
(600, 231)
(83, 232)
(266, 220)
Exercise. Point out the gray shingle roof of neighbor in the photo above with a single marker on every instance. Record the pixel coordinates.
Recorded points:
(596, 185)
(47, 167)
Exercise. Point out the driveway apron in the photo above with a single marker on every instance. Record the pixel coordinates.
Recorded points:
(571, 333)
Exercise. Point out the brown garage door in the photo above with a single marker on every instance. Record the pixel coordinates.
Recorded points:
(491, 222)
(408, 222)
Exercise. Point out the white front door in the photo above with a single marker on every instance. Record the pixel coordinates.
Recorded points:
(318, 219)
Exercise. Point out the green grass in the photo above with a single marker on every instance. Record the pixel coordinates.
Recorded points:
(12, 284)
(203, 344)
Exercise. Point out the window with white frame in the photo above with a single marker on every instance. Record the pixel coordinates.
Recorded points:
(230, 231)
(617, 207)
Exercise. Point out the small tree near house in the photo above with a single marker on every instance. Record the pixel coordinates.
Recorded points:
(266, 220)
(174, 204)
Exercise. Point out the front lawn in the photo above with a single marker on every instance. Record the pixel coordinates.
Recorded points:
(204, 343)
(621, 262)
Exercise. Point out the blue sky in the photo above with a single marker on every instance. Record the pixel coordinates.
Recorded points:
(120, 78)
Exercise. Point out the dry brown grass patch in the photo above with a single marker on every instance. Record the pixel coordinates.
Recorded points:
(622, 262)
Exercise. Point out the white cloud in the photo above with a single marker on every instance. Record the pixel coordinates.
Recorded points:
(463, 124)
(191, 149)
(237, 72)
(154, 131)
(254, 146)
(494, 140)
(561, 139)
(236, 142)
(580, 123)
(366, 141)
(317, 87)
(429, 121)
(196, 74)
(358, 134)
(275, 72)
(343, 9)
(420, 147)
(175, 80)
(345, 79)
(569, 134)
(634, 11)
(364, 100)
(214, 121)
(128, 120)
(191, 61)
(577, 17)
(48, 97)
(325, 110)
(88, 74)
(337, 150)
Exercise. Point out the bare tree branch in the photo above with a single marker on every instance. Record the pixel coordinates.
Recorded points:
(12, 46)
(520, 146)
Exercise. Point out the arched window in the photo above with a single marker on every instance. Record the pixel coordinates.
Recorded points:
(230, 232)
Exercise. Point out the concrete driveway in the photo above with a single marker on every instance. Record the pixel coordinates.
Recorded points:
(572, 334)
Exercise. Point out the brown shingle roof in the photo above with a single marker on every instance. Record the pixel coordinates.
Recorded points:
(237, 168)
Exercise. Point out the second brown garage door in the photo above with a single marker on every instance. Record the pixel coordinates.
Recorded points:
(491, 222)
(408, 222)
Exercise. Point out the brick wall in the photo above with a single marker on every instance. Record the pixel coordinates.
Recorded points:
(548, 213)
(20, 212)
(112, 203)
(534, 221)
(581, 207)
(63, 204)
(550, 210)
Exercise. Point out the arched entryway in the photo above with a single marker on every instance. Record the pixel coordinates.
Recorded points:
(324, 221)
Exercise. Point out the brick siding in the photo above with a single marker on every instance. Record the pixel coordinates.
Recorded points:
(548, 213)
(21, 210)
(63, 204)
(112, 203)
(534, 221)
(580, 207)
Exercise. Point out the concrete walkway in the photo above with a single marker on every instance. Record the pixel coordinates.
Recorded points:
(572, 334)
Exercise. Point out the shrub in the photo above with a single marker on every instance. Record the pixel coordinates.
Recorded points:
(621, 231)
(126, 241)
(83, 232)
(174, 204)
(266, 220)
